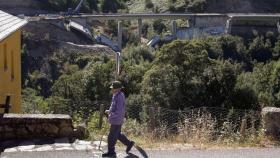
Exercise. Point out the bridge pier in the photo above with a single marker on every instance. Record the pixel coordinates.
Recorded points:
(174, 28)
(139, 29)
(228, 26)
(120, 34)
(278, 26)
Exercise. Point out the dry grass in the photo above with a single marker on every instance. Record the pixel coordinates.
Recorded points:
(198, 130)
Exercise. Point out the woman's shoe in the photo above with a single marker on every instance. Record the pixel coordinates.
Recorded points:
(109, 154)
(130, 146)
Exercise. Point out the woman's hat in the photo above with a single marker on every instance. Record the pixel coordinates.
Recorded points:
(116, 85)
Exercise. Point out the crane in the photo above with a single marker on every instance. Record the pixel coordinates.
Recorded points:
(76, 10)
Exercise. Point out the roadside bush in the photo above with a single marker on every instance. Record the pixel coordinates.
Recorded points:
(32, 103)
(133, 128)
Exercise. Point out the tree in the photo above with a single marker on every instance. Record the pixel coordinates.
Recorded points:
(159, 26)
(111, 6)
(260, 49)
(275, 84)
(149, 4)
(161, 87)
(219, 79)
(198, 6)
(70, 87)
(276, 50)
(98, 77)
(33, 103)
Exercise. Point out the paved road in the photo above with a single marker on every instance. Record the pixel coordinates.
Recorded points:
(191, 153)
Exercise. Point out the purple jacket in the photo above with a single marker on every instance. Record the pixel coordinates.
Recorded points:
(117, 109)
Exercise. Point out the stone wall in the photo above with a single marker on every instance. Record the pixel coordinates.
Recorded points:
(271, 122)
(32, 126)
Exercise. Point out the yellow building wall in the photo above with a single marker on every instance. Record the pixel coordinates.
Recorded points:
(10, 71)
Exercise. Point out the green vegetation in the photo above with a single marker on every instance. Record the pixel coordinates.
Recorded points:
(63, 5)
(213, 72)
(149, 4)
(224, 72)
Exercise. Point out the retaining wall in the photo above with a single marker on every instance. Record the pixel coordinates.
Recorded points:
(32, 126)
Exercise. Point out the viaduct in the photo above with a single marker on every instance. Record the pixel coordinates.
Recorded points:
(194, 20)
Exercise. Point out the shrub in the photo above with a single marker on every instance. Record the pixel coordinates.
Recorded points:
(159, 26)
(196, 6)
(260, 49)
(111, 6)
(33, 103)
(149, 4)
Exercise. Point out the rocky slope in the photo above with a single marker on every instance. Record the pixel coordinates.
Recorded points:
(211, 6)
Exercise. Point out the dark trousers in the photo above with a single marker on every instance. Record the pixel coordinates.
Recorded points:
(114, 135)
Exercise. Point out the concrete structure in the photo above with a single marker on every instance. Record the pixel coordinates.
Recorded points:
(199, 25)
(271, 123)
(10, 60)
(80, 28)
(108, 42)
(31, 126)
(120, 35)
(140, 28)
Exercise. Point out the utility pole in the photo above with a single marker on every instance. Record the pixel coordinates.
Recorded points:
(118, 54)
(118, 61)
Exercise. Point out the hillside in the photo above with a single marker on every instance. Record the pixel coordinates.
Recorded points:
(208, 6)
(139, 6)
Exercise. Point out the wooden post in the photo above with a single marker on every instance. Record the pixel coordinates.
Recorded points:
(101, 114)
(7, 105)
(152, 118)
(243, 128)
(8, 98)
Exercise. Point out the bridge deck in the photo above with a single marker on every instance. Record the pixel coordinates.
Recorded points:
(233, 16)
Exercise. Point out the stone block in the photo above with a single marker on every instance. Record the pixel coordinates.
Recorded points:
(81, 132)
(66, 132)
(271, 122)
(21, 132)
(31, 128)
(8, 129)
(35, 126)
(50, 129)
(2, 129)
